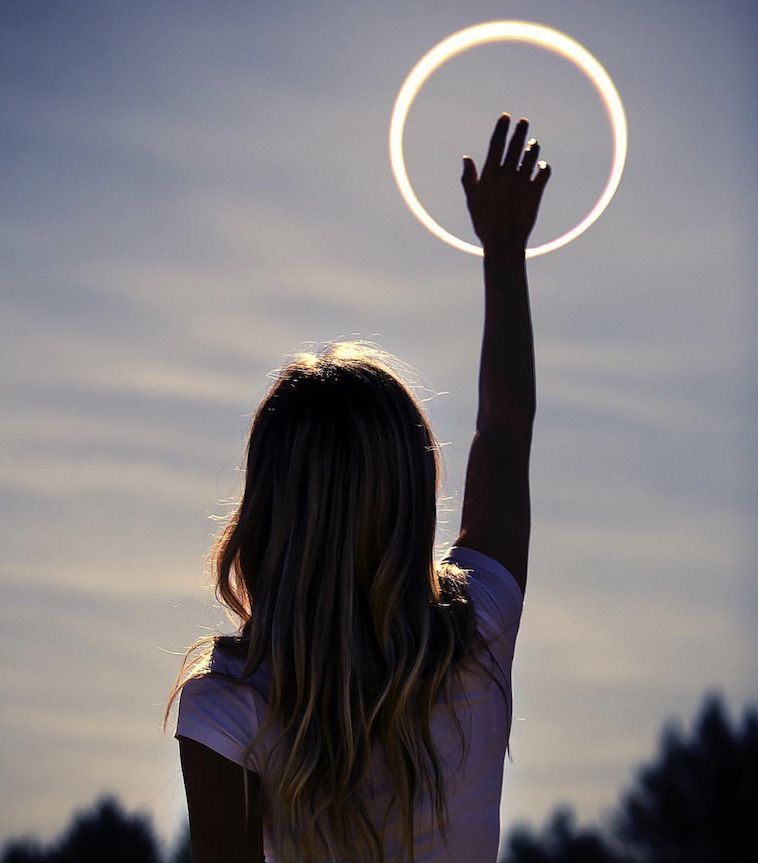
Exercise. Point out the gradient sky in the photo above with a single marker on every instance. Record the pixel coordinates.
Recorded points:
(192, 191)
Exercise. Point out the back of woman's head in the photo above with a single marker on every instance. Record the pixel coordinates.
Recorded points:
(328, 564)
(339, 508)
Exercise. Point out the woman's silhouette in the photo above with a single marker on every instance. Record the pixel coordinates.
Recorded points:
(367, 692)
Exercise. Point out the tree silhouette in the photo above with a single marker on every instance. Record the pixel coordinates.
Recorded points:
(103, 834)
(698, 802)
(24, 851)
(560, 842)
(108, 834)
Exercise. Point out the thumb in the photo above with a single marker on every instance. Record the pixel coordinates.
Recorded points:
(468, 177)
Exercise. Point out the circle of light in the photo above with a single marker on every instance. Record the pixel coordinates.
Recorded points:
(508, 31)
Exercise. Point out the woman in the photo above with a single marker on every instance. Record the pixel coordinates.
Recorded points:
(362, 712)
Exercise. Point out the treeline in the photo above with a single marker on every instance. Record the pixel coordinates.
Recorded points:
(696, 802)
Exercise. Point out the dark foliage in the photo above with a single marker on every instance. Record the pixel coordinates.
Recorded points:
(103, 834)
(24, 851)
(698, 801)
(560, 842)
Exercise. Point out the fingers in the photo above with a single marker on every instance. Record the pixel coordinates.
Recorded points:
(497, 143)
(513, 154)
(469, 177)
(530, 157)
(469, 174)
(541, 178)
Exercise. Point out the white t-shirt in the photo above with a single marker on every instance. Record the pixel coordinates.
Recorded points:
(224, 718)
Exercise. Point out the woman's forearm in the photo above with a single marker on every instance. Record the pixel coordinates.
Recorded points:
(503, 204)
(507, 395)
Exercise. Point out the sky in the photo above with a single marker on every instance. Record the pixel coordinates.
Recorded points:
(193, 191)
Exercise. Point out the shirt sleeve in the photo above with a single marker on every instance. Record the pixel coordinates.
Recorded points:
(219, 714)
(495, 591)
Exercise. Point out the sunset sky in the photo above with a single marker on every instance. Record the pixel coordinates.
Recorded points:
(193, 191)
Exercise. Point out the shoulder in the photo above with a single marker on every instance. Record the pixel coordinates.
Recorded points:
(494, 591)
(219, 709)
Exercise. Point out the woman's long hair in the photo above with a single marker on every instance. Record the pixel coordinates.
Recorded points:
(327, 564)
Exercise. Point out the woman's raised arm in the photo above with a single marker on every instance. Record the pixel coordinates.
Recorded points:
(503, 205)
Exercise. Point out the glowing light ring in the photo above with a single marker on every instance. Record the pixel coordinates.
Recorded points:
(508, 31)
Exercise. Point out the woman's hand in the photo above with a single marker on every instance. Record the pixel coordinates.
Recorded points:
(503, 202)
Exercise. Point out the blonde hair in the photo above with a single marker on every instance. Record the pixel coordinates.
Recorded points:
(327, 563)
